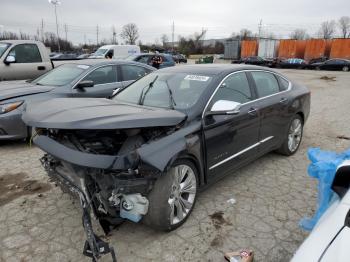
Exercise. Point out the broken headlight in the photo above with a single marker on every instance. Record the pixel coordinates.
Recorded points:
(8, 107)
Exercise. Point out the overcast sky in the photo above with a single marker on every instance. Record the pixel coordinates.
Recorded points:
(155, 17)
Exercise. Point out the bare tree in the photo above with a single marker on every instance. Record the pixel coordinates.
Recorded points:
(245, 33)
(299, 34)
(344, 26)
(130, 33)
(327, 29)
(164, 38)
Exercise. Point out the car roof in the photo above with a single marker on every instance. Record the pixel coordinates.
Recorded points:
(212, 69)
(20, 41)
(100, 62)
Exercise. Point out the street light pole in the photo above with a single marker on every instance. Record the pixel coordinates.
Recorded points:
(56, 3)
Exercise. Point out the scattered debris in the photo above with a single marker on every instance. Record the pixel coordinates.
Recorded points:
(240, 256)
(231, 201)
(40, 195)
(328, 78)
(343, 137)
(15, 185)
(218, 219)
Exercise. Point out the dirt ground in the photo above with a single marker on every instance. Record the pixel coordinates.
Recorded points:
(258, 207)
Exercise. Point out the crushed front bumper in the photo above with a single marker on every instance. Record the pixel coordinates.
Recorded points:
(94, 247)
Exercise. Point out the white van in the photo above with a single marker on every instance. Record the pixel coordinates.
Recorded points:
(116, 51)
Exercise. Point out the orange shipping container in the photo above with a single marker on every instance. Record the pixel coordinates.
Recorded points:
(340, 48)
(290, 48)
(249, 48)
(316, 48)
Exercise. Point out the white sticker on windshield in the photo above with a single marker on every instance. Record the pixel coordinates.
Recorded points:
(83, 66)
(197, 78)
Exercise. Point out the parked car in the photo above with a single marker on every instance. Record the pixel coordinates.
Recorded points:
(330, 238)
(146, 58)
(88, 78)
(146, 153)
(332, 64)
(23, 59)
(115, 51)
(295, 63)
(84, 56)
(257, 60)
(179, 58)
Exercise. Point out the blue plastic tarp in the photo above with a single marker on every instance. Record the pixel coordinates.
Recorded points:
(323, 167)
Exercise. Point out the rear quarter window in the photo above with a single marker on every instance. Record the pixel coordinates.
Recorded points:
(284, 84)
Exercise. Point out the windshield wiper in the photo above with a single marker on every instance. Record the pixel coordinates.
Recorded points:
(171, 97)
(143, 95)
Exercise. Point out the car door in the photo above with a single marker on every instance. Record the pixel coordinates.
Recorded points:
(130, 73)
(273, 104)
(28, 63)
(105, 80)
(231, 140)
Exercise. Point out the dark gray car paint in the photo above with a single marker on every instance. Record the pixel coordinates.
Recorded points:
(89, 113)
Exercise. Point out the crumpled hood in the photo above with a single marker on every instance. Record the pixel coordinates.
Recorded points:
(13, 89)
(94, 113)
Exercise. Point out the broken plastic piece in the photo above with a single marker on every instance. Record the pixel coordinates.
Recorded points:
(240, 256)
(133, 207)
(323, 167)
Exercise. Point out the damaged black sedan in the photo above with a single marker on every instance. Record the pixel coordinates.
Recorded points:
(145, 154)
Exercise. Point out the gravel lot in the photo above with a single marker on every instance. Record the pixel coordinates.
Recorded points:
(40, 223)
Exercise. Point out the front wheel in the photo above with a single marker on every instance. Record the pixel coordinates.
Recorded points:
(345, 68)
(173, 197)
(293, 138)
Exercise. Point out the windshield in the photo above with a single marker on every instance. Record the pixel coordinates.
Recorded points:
(168, 90)
(61, 75)
(3, 47)
(100, 52)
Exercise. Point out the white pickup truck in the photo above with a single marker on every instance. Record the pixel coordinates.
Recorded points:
(23, 59)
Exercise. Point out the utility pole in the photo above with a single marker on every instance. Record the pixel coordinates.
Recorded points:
(172, 34)
(42, 30)
(260, 27)
(56, 3)
(114, 35)
(66, 31)
(85, 39)
(97, 29)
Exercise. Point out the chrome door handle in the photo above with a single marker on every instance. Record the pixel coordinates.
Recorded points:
(284, 100)
(253, 111)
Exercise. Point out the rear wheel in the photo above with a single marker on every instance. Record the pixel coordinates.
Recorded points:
(293, 138)
(173, 197)
(345, 68)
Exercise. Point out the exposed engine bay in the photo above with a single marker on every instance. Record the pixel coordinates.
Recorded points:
(110, 195)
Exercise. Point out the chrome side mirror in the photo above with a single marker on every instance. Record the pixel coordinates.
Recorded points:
(225, 107)
(10, 59)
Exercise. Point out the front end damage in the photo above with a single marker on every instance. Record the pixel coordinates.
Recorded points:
(111, 172)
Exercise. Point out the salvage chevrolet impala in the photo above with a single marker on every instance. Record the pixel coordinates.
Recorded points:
(144, 154)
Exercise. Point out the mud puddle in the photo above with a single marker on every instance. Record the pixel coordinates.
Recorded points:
(13, 186)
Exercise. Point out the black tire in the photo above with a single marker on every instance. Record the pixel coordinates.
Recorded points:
(345, 68)
(285, 149)
(318, 68)
(159, 210)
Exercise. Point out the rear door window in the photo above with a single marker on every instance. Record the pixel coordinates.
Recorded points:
(266, 83)
(26, 53)
(103, 75)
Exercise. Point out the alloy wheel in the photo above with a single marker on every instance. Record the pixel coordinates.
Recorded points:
(345, 68)
(183, 193)
(294, 135)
